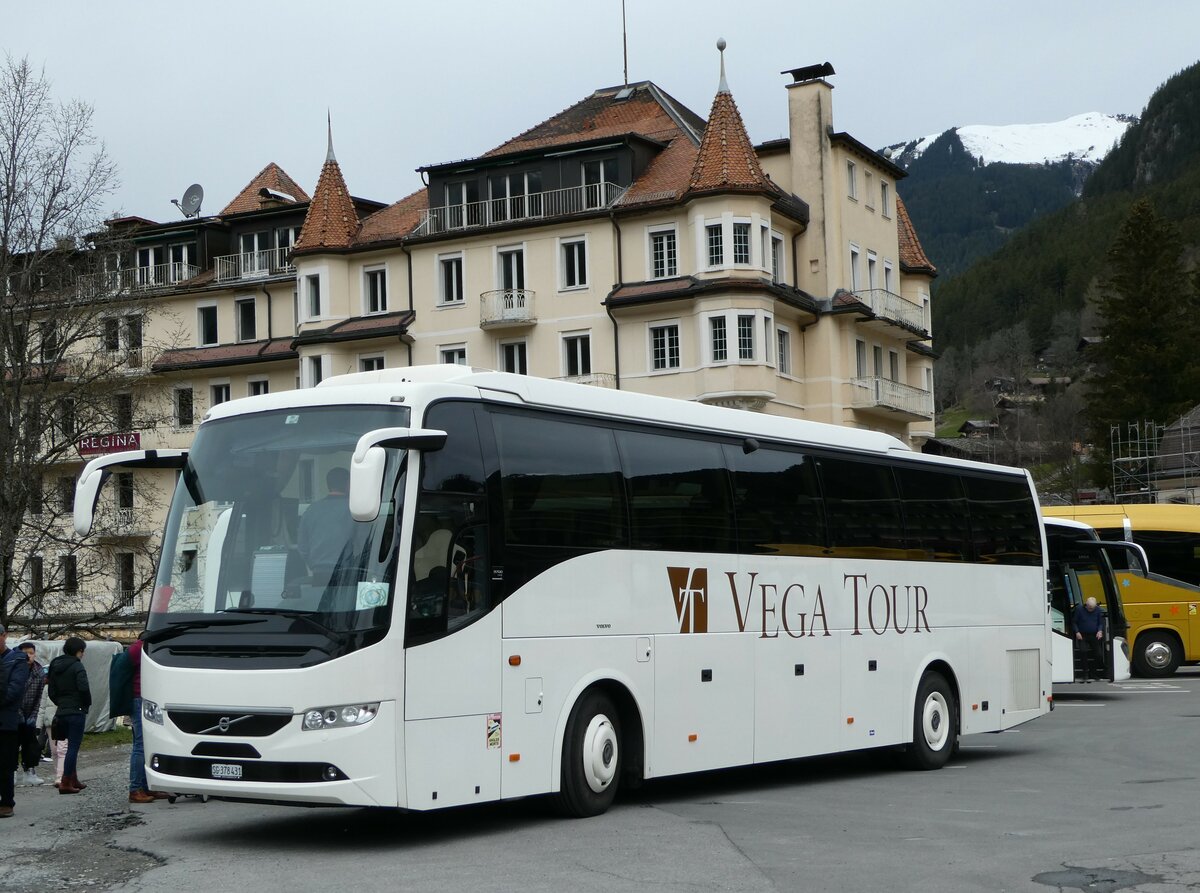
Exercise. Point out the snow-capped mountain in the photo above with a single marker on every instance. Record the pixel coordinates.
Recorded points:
(1087, 137)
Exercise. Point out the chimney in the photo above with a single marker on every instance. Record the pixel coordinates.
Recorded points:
(810, 121)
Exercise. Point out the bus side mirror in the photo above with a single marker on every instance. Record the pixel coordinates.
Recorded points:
(96, 472)
(370, 459)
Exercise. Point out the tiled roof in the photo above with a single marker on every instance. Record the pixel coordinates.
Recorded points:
(726, 159)
(633, 293)
(667, 176)
(393, 222)
(359, 327)
(225, 355)
(912, 256)
(271, 177)
(331, 221)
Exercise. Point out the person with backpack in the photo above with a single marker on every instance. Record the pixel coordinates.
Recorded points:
(14, 673)
(69, 690)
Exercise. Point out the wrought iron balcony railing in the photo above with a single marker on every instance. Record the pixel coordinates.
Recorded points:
(595, 379)
(254, 264)
(136, 279)
(506, 307)
(893, 395)
(893, 308)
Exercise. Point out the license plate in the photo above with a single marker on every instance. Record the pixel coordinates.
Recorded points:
(226, 770)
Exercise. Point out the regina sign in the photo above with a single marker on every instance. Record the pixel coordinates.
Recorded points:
(98, 444)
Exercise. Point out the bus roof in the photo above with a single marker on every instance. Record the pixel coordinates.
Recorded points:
(1183, 518)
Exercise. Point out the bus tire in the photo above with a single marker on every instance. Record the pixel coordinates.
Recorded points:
(935, 724)
(591, 757)
(1157, 654)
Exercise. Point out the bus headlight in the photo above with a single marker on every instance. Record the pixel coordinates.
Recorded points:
(316, 718)
(151, 712)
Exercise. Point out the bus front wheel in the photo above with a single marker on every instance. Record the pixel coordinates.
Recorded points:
(591, 758)
(1156, 654)
(935, 724)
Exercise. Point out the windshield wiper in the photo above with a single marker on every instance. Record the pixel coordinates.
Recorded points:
(303, 616)
(176, 629)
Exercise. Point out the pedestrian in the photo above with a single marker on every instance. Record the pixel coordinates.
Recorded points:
(70, 693)
(139, 788)
(14, 673)
(31, 709)
(1089, 632)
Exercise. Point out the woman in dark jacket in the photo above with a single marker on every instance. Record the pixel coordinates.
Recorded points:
(68, 683)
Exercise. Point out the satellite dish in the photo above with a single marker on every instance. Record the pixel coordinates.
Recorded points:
(190, 206)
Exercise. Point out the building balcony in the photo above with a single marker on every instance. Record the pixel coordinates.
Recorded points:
(506, 308)
(889, 308)
(123, 523)
(136, 280)
(127, 357)
(87, 603)
(891, 398)
(254, 265)
(517, 208)
(595, 379)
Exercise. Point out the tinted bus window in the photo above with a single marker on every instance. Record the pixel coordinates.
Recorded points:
(560, 483)
(679, 497)
(935, 513)
(863, 509)
(457, 466)
(1005, 528)
(1171, 553)
(777, 502)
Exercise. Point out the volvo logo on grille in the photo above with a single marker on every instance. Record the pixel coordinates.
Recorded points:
(223, 724)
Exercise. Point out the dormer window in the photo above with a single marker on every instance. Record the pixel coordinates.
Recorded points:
(595, 175)
(515, 196)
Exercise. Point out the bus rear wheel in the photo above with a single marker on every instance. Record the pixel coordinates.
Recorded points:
(1157, 654)
(591, 758)
(935, 724)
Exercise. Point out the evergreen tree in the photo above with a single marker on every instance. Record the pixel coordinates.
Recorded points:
(1147, 363)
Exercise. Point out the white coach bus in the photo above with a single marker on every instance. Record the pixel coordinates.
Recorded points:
(534, 587)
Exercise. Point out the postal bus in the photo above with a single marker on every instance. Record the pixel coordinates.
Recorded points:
(536, 587)
(1081, 567)
(1162, 602)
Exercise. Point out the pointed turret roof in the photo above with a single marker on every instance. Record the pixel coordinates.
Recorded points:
(331, 222)
(271, 177)
(726, 160)
(912, 256)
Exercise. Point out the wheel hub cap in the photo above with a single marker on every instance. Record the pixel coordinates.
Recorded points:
(935, 729)
(600, 753)
(1158, 655)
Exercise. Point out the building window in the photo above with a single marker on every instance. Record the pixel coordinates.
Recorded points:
(286, 236)
(511, 269)
(124, 490)
(663, 254)
(872, 276)
(66, 493)
(370, 364)
(928, 379)
(218, 393)
(453, 353)
(664, 347)
(451, 279)
(125, 579)
(595, 175)
(35, 497)
(68, 572)
(869, 189)
(860, 358)
(312, 288)
(783, 350)
(123, 411)
(852, 180)
(768, 327)
(112, 334)
(893, 365)
(207, 325)
(776, 259)
(316, 371)
(741, 243)
(716, 248)
(745, 324)
(574, 263)
(257, 387)
(66, 417)
(877, 360)
(247, 328)
(515, 196)
(885, 198)
(49, 335)
(887, 276)
(719, 339)
(37, 581)
(513, 358)
(376, 285)
(183, 408)
(577, 355)
(855, 272)
(183, 259)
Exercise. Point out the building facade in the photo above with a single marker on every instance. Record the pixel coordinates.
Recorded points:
(626, 242)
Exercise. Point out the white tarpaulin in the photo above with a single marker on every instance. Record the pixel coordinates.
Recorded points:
(96, 658)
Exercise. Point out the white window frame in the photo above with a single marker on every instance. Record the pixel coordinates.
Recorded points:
(306, 303)
(783, 350)
(213, 384)
(566, 347)
(366, 362)
(869, 190)
(651, 327)
(459, 348)
(777, 263)
(439, 270)
(860, 359)
(717, 322)
(516, 342)
(499, 266)
(893, 365)
(200, 307)
(851, 180)
(888, 277)
(670, 270)
(709, 228)
(762, 323)
(566, 244)
(313, 366)
(872, 269)
(237, 310)
(885, 198)
(258, 380)
(733, 241)
(855, 273)
(368, 274)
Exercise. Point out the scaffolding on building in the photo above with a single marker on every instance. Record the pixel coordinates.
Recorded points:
(1156, 463)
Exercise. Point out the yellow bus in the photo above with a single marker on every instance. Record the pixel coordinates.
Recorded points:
(1163, 604)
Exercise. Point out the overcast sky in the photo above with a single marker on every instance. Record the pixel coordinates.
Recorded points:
(213, 97)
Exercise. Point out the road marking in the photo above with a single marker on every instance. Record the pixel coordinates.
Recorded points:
(979, 746)
(1070, 704)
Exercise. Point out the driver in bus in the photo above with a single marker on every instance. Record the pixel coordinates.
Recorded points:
(326, 526)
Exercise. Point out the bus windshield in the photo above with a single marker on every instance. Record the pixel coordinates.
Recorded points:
(260, 524)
